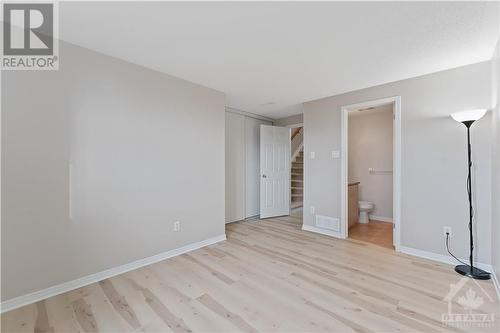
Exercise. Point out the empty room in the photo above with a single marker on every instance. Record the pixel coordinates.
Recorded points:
(250, 166)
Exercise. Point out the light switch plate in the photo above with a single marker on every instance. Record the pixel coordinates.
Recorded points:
(177, 225)
(335, 153)
(313, 155)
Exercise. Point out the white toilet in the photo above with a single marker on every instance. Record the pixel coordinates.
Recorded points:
(365, 207)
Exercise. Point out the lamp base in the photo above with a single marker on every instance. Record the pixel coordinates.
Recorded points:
(476, 273)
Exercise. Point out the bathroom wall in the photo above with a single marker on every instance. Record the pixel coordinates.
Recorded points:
(370, 146)
(434, 161)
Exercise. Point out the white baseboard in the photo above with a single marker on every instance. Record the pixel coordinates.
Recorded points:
(452, 261)
(420, 253)
(36, 296)
(381, 218)
(441, 257)
(320, 231)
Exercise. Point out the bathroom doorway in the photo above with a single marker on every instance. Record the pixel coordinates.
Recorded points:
(370, 172)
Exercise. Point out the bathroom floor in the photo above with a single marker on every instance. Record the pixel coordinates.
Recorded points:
(375, 232)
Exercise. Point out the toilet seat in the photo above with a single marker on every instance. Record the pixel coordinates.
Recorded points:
(365, 207)
(365, 204)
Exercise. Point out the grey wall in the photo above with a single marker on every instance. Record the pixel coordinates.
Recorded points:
(433, 157)
(495, 165)
(370, 146)
(146, 148)
(291, 120)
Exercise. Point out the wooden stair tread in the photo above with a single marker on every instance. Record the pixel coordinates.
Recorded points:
(297, 176)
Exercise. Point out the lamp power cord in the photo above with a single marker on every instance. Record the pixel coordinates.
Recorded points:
(469, 190)
(448, 249)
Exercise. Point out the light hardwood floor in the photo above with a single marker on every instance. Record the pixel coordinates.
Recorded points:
(374, 232)
(269, 276)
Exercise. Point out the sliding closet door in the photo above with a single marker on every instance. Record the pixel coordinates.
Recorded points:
(235, 167)
(252, 165)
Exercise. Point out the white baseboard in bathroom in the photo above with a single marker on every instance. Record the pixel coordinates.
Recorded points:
(381, 218)
(36, 296)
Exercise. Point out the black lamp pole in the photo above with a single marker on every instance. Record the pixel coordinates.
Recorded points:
(467, 270)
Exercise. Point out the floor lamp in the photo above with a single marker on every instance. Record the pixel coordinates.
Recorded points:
(468, 118)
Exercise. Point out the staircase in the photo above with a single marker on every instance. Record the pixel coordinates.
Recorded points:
(297, 177)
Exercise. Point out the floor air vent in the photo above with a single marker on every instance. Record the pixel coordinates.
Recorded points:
(327, 222)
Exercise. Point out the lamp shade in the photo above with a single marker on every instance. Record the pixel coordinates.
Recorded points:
(469, 115)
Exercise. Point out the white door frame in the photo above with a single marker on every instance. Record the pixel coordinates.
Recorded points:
(396, 204)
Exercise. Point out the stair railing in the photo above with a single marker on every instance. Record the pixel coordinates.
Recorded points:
(297, 143)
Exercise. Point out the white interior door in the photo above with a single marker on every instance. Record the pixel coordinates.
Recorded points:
(274, 171)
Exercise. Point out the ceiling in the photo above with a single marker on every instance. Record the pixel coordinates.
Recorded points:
(270, 57)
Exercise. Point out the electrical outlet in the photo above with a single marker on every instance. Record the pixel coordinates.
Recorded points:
(312, 209)
(335, 153)
(446, 230)
(177, 226)
(313, 155)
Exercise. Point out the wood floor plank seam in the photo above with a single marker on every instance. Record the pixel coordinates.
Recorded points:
(268, 276)
(412, 324)
(119, 303)
(218, 308)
